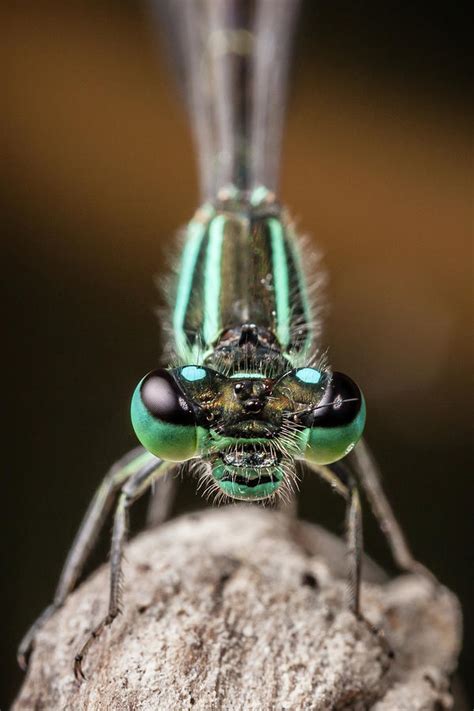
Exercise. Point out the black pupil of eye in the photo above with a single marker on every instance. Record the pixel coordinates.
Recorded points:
(340, 405)
(164, 399)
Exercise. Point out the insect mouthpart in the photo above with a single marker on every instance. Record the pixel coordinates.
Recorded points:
(248, 471)
(251, 456)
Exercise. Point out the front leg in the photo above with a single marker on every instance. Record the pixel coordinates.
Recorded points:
(163, 493)
(131, 491)
(354, 540)
(85, 539)
(342, 481)
(369, 476)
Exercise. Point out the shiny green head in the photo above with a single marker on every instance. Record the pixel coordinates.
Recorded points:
(248, 428)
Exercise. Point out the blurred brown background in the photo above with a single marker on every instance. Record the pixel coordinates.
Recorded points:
(99, 172)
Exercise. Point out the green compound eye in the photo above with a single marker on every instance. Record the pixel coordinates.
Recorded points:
(337, 422)
(163, 419)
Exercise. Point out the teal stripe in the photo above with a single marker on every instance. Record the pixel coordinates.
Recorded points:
(195, 234)
(280, 278)
(293, 247)
(212, 284)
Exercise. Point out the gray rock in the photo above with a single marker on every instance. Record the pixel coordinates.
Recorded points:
(243, 608)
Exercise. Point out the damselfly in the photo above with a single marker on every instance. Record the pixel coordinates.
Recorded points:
(247, 393)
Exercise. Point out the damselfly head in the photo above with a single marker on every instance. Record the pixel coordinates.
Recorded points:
(249, 428)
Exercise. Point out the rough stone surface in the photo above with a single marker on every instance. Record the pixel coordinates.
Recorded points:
(240, 608)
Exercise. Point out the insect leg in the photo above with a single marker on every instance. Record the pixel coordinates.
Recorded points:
(161, 502)
(369, 476)
(346, 486)
(85, 540)
(354, 544)
(131, 491)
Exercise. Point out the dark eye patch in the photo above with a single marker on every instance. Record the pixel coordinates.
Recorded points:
(164, 399)
(340, 405)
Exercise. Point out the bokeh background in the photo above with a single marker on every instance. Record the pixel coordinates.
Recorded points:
(99, 172)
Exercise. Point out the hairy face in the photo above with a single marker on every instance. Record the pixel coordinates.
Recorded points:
(248, 428)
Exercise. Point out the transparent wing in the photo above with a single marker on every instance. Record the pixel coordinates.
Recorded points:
(232, 57)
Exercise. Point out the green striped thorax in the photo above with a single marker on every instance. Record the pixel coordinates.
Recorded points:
(244, 401)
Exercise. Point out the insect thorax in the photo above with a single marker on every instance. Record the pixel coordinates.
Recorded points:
(241, 302)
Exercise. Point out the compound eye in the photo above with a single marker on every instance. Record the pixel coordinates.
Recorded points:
(340, 404)
(163, 418)
(338, 421)
(164, 399)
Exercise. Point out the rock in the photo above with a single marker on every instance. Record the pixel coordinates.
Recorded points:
(244, 608)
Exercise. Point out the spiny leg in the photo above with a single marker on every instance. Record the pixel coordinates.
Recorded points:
(340, 478)
(369, 476)
(162, 498)
(354, 545)
(131, 491)
(85, 539)
(344, 484)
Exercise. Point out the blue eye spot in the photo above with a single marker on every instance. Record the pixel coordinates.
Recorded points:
(191, 373)
(309, 376)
